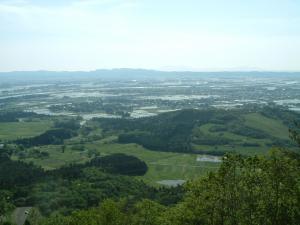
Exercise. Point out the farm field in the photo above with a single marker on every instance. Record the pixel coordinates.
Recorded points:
(69, 145)
(273, 127)
(94, 140)
(161, 165)
(17, 130)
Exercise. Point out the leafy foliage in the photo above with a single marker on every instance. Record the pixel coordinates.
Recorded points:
(55, 137)
(252, 190)
(168, 131)
(71, 124)
(78, 186)
(180, 131)
(17, 173)
(121, 164)
(14, 116)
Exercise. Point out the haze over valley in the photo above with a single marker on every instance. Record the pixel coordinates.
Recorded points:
(149, 112)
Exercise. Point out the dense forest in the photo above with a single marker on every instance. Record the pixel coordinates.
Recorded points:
(109, 189)
(14, 116)
(179, 131)
(77, 186)
(149, 112)
(63, 129)
(55, 136)
(245, 190)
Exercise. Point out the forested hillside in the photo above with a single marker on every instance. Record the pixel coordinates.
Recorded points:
(205, 131)
(149, 112)
(245, 190)
(111, 171)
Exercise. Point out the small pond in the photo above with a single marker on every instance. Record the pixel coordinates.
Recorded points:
(171, 183)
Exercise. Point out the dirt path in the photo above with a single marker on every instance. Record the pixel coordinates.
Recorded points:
(183, 165)
(19, 216)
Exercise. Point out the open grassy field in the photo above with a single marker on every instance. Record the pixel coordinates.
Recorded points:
(237, 147)
(162, 165)
(273, 127)
(57, 158)
(16, 130)
(250, 151)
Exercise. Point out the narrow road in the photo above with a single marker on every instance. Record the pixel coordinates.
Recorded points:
(19, 216)
(182, 165)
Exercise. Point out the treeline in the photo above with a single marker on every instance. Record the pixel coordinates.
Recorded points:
(165, 132)
(180, 131)
(63, 129)
(50, 137)
(92, 186)
(17, 173)
(280, 113)
(118, 163)
(14, 116)
(245, 190)
(71, 124)
(172, 131)
(16, 180)
(121, 164)
(78, 186)
(243, 130)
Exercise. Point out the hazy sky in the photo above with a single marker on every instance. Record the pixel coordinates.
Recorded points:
(157, 34)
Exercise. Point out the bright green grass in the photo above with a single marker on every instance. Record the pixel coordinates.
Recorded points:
(250, 151)
(205, 129)
(271, 126)
(239, 139)
(16, 130)
(236, 146)
(162, 165)
(57, 158)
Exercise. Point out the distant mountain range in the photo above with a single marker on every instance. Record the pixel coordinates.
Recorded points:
(132, 74)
